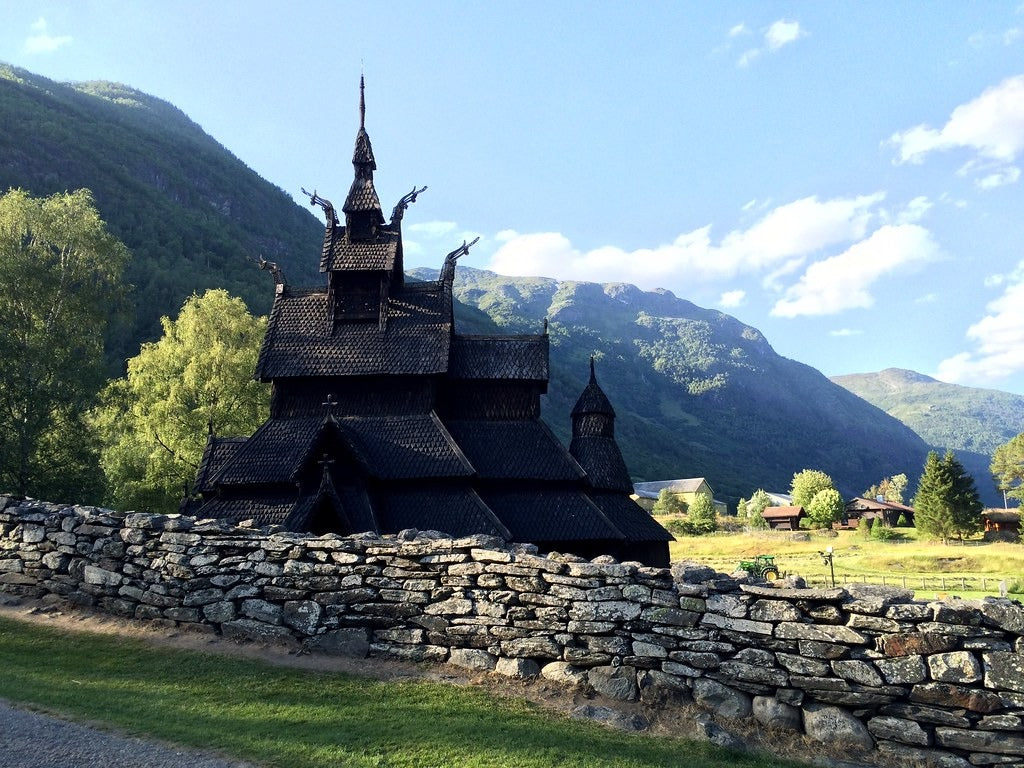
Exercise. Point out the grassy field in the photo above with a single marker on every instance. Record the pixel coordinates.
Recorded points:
(920, 565)
(278, 716)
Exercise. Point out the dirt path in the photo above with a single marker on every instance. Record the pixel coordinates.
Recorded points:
(34, 740)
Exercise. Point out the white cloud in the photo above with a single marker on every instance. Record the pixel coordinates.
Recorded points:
(748, 56)
(434, 228)
(739, 29)
(433, 239)
(782, 33)
(779, 243)
(843, 332)
(998, 339)
(914, 211)
(992, 126)
(1005, 38)
(842, 282)
(778, 35)
(41, 41)
(1008, 175)
(731, 299)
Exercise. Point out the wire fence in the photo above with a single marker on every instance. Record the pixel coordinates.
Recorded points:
(996, 585)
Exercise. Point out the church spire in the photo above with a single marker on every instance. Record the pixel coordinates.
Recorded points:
(362, 206)
(362, 103)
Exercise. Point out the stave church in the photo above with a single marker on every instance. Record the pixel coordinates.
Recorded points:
(383, 417)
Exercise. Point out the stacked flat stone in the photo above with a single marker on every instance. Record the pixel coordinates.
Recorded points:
(867, 669)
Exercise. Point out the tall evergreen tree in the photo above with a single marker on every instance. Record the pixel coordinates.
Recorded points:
(947, 502)
(965, 502)
(932, 513)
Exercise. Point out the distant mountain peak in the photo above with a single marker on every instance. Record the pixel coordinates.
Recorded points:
(907, 375)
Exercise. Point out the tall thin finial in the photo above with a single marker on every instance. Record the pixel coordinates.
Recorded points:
(362, 103)
(592, 376)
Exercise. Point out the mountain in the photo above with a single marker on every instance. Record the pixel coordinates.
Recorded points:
(970, 421)
(192, 214)
(697, 392)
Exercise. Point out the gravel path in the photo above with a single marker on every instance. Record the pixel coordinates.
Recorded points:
(32, 740)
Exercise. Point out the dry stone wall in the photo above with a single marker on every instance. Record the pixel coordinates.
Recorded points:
(889, 680)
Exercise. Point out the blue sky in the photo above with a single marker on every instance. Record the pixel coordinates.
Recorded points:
(843, 176)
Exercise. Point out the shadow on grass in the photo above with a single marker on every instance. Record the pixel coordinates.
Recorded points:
(287, 717)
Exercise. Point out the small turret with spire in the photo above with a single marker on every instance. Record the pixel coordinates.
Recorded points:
(593, 415)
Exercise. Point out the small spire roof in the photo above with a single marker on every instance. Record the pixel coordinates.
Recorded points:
(593, 399)
(361, 195)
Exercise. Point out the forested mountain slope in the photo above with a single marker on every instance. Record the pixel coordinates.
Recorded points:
(697, 392)
(192, 214)
(970, 421)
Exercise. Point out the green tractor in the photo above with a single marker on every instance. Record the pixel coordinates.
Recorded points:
(762, 566)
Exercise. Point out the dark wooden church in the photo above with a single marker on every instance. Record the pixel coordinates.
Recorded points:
(383, 418)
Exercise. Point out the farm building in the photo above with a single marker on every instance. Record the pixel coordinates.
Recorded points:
(383, 417)
(1001, 524)
(686, 489)
(873, 509)
(784, 518)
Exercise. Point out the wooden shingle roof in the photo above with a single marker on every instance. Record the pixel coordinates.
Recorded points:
(602, 460)
(593, 399)
(630, 518)
(457, 511)
(269, 508)
(217, 453)
(388, 448)
(361, 196)
(415, 339)
(273, 454)
(341, 255)
(523, 358)
(548, 514)
(405, 447)
(520, 450)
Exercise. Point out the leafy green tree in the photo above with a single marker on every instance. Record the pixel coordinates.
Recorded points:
(806, 485)
(864, 528)
(947, 502)
(754, 510)
(890, 489)
(669, 503)
(700, 517)
(196, 378)
(1007, 468)
(61, 274)
(902, 522)
(896, 488)
(759, 502)
(757, 522)
(825, 508)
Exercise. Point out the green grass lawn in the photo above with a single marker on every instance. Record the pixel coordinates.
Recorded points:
(278, 716)
(857, 558)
